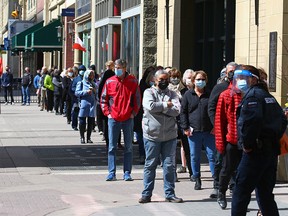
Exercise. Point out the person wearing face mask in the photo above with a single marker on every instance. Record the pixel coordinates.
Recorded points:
(79, 73)
(261, 123)
(176, 82)
(212, 104)
(185, 151)
(66, 96)
(161, 107)
(225, 128)
(196, 124)
(120, 102)
(86, 92)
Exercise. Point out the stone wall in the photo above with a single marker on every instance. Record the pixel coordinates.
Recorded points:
(149, 33)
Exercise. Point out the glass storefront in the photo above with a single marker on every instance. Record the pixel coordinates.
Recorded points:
(130, 43)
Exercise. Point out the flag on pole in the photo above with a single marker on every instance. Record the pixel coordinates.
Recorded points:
(79, 44)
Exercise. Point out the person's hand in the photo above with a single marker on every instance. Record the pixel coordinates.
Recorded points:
(247, 150)
(89, 91)
(169, 104)
(109, 116)
(212, 131)
(132, 115)
(188, 132)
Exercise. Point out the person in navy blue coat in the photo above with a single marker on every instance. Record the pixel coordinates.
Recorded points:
(7, 83)
(86, 91)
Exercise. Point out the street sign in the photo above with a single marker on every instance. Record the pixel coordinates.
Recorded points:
(69, 12)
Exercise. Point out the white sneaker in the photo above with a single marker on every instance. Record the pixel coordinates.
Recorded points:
(6, 103)
(12, 103)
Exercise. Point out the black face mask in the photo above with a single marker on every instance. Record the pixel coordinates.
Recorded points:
(163, 84)
(230, 75)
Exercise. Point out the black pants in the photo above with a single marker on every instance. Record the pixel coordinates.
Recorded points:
(57, 102)
(50, 100)
(231, 159)
(8, 90)
(100, 118)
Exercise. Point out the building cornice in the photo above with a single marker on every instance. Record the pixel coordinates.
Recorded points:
(84, 18)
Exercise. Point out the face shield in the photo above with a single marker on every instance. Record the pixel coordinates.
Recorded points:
(241, 80)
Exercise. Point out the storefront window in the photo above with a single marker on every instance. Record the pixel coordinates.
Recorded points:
(82, 7)
(130, 41)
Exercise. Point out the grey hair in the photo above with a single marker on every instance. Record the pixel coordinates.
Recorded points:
(188, 71)
(234, 64)
(159, 72)
(121, 62)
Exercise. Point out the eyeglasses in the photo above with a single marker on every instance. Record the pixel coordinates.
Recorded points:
(200, 79)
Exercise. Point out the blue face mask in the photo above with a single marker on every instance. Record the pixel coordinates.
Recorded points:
(152, 83)
(118, 72)
(242, 85)
(200, 83)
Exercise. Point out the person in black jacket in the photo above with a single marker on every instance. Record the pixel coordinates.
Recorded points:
(7, 84)
(196, 124)
(261, 123)
(26, 83)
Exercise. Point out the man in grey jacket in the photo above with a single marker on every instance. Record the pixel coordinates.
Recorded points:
(161, 106)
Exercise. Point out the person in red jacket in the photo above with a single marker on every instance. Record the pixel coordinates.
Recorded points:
(120, 102)
(225, 128)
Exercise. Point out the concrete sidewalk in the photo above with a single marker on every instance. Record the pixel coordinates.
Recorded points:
(45, 171)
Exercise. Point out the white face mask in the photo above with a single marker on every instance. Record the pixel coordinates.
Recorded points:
(188, 82)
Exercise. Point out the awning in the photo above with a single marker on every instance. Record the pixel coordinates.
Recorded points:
(18, 41)
(44, 39)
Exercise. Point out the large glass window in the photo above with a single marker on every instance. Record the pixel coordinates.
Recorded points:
(82, 7)
(130, 42)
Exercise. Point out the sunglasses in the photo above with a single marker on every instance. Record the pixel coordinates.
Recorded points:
(200, 79)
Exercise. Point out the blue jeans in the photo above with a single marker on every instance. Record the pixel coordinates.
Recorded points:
(114, 129)
(255, 171)
(153, 150)
(26, 94)
(195, 143)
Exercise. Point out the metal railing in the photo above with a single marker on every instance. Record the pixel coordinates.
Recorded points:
(17, 93)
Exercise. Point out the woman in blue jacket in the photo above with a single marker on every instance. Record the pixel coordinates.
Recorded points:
(86, 91)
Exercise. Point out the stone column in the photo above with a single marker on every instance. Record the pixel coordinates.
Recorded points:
(149, 36)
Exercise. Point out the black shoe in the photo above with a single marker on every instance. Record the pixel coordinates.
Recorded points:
(222, 200)
(197, 184)
(144, 199)
(192, 179)
(68, 122)
(75, 129)
(174, 199)
(82, 141)
(214, 194)
(89, 141)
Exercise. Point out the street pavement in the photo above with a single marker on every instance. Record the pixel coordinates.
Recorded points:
(44, 170)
